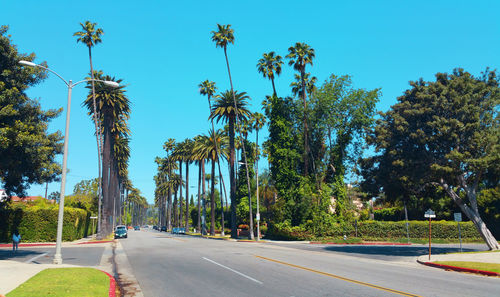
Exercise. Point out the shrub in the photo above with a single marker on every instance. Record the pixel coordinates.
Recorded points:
(389, 214)
(39, 224)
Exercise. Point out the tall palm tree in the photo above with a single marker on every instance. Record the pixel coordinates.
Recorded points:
(212, 147)
(230, 106)
(258, 122)
(269, 65)
(300, 55)
(188, 159)
(113, 107)
(91, 36)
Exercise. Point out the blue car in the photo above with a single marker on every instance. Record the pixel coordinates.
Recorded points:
(121, 231)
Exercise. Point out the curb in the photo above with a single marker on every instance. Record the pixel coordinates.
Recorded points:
(361, 243)
(112, 284)
(97, 241)
(460, 269)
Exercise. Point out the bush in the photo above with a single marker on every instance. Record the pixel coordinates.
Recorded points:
(373, 230)
(389, 214)
(39, 224)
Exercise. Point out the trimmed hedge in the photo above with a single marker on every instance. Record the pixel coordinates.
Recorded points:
(370, 230)
(39, 224)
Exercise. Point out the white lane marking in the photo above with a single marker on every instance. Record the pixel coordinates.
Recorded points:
(237, 272)
(36, 257)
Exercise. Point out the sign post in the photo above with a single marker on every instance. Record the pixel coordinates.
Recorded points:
(458, 219)
(93, 220)
(430, 214)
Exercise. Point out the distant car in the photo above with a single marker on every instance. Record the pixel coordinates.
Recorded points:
(137, 228)
(179, 230)
(155, 227)
(121, 232)
(163, 228)
(130, 227)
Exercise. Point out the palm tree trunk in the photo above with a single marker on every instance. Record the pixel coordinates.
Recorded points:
(186, 219)
(176, 217)
(169, 209)
(212, 201)
(274, 88)
(203, 201)
(106, 179)
(221, 202)
(306, 141)
(97, 135)
(257, 180)
(199, 198)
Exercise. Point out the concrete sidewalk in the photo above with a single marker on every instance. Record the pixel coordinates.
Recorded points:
(486, 257)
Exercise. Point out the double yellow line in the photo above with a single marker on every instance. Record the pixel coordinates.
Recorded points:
(340, 277)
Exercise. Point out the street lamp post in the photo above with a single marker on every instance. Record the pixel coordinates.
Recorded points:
(70, 85)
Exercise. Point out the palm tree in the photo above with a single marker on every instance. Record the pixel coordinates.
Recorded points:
(268, 65)
(231, 106)
(258, 122)
(188, 158)
(300, 55)
(211, 147)
(113, 107)
(310, 84)
(91, 36)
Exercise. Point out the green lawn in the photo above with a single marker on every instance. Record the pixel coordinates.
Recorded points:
(472, 265)
(65, 282)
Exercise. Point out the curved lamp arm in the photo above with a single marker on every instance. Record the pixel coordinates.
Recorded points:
(27, 63)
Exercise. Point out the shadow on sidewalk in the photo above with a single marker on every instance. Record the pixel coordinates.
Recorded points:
(19, 255)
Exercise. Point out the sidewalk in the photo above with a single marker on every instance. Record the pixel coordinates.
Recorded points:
(484, 257)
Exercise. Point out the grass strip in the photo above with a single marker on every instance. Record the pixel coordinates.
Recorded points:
(472, 265)
(56, 282)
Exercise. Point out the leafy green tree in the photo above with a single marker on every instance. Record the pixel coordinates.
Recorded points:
(444, 133)
(341, 114)
(300, 55)
(27, 150)
(269, 65)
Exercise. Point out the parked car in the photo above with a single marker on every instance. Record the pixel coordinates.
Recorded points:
(155, 227)
(121, 232)
(137, 228)
(163, 228)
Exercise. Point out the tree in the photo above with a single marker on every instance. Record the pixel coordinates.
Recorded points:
(27, 150)
(341, 114)
(229, 106)
(268, 65)
(443, 133)
(208, 147)
(258, 123)
(113, 108)
(91, 36)
(300, 55)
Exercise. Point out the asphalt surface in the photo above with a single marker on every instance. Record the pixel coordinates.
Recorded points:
(73, 255)
(168, 265)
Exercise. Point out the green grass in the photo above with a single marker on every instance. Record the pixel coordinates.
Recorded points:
(473, 265)
(64, 282)
(479, 252)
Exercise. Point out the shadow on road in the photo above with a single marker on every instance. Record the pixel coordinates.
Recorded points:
(395, 251)
(20, 254)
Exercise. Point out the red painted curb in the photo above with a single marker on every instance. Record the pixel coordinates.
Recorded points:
(112, 284)
(461, 269)
(27, 244)
(97, 241)
(361, 243)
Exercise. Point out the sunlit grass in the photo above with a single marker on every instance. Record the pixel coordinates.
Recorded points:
(56, 282)
(472, 265)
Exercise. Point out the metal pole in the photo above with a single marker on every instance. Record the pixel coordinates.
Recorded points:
(429, 238)
(407, 231)
(257, 215)
(459, 236)
(57, 256)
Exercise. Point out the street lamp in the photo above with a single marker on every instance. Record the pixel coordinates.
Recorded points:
(70, 84)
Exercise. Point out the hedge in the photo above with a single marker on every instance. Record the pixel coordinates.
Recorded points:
(39, 224)
(370, 230)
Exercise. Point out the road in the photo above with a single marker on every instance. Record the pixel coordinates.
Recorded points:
(168, 265)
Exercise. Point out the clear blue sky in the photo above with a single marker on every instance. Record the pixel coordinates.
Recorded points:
(162, 50)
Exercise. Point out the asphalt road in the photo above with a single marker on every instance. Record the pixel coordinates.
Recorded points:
(168, 265)
(74, 255)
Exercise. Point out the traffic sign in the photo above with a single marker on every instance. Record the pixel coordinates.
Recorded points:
(458, 216)
(430, 214)
(93, 218)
